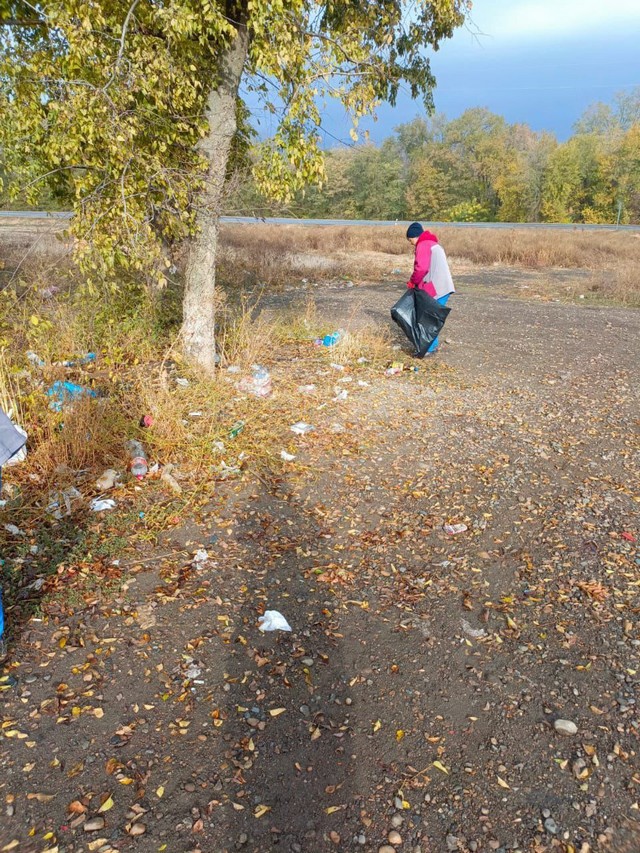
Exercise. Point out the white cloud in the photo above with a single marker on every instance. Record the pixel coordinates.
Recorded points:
(552, 18)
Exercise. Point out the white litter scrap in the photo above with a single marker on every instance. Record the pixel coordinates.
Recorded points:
(201, 556)
(13, 530)
(454, 529)
(337, 366)
(102, 504)
(306, 389)
(301, 428)
(474, 633)
(273, 621)
(182, 382)
(288, 457)
(62, 499)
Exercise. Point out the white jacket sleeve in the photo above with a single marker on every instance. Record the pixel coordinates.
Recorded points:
(439, 273)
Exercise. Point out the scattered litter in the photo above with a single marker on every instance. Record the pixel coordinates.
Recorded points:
(341, 394)
(628, 536)
(13, 530)
(66, 392)
(154, 469)
(34, 358)
(332, 339)
(138, 466)
(337, 427)
(107, 480)
(363, 384)
(306, 389)
(301, 428)
(288, 457)
(259, 385)
(233, 368)
(273, 621)
(182, 382)
(236, 429)
(226, 471)
(201, 556)
(336, 366)
(3, 503)
(454, 529)
(102, 504)
(60, 499)
(168, 478)
(474, 633)
(86, 359)
(195, 414)
(363, 360)
(218, 445)
(146, 421)
(393, 371)
(193, 672)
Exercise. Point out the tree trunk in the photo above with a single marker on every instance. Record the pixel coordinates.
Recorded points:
(198, 321)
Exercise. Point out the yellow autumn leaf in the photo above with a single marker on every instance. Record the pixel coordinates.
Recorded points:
(332, 809)
(399, 735)
(275, 712)
(440, 766)
(502, 783)
(511, 624)
(160, 791)
(108, 804)
(261, 810)
(377, 726)
(98, 712)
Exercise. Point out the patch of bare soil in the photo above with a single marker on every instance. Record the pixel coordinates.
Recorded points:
(415, 704)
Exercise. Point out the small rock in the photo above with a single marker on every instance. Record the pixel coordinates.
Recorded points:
(452, 843)
(394, 838)
(29, 679)
(362, 839)
(190, 787)
(242, 839)
(565, 727)
(546, 813)
(137, 829)
(94, 824)
(551, 826)
(386, 848)
(396, 821)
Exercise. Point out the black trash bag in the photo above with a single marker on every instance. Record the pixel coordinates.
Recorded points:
(421, 318)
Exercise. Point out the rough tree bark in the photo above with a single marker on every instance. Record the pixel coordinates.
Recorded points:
(198, 322)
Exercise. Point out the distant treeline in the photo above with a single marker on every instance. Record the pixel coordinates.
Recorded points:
(480, 168)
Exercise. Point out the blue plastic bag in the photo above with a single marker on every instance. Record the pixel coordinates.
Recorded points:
(66, 392)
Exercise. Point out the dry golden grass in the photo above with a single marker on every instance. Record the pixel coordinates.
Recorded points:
(281, 254)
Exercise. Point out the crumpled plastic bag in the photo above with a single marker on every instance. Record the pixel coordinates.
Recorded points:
(421, 318)
(102, 505)
(273, 621)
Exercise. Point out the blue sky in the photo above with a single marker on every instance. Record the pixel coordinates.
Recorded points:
(541, 62)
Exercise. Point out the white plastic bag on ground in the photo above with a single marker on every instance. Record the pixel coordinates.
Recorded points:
(273, 621)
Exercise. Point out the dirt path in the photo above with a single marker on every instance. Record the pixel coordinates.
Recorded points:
(417, 692)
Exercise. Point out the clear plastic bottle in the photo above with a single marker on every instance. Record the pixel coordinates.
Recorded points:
(139, 465)
(261, 381)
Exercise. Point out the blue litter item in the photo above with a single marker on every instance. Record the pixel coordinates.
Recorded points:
(66, 392)
(331, 340)
(86, 359)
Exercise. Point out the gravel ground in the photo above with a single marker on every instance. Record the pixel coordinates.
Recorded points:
(417, 703)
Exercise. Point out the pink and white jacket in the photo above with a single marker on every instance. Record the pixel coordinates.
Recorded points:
(430, 267)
